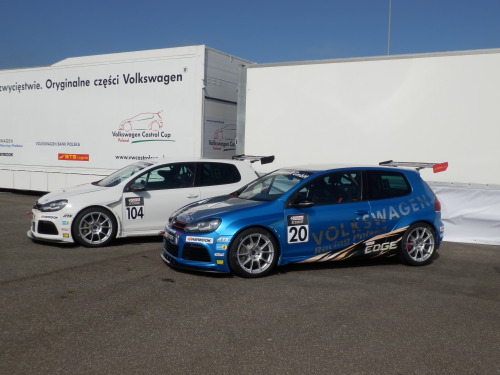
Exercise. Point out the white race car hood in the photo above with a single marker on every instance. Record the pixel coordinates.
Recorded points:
(69, 192)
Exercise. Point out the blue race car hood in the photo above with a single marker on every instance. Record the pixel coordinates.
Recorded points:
(213, 207)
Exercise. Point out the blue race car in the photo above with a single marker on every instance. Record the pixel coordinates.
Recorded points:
(304, 215)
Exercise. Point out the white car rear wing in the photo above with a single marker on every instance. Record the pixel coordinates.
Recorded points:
(253, 158)
(436, 167)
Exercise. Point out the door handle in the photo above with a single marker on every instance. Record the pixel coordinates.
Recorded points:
(192, 196)
(361, 212)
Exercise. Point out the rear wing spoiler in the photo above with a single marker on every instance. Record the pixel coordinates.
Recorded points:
(253, 158)
(436, 167)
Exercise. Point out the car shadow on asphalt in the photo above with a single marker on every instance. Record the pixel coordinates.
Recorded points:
(306, 267)
(282, 270)
(392, 260)
(118, 242)
(349, 263)
(302, 267)
(60, 245)
(138, 241)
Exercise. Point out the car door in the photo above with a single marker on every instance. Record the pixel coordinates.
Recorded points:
(335, 221)
(151, 198)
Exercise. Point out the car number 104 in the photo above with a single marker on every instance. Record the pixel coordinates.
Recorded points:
(298, 233)
(135, 212)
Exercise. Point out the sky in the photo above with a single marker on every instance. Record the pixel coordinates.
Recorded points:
(43, 32)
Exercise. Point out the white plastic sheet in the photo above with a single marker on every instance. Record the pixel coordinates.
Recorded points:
(470, 215)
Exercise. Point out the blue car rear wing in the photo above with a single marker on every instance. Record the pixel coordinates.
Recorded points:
(436, 167)
(253, 158)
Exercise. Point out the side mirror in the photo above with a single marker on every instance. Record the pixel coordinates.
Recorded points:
(137, 187)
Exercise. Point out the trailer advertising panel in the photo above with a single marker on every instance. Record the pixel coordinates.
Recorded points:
(90, 115)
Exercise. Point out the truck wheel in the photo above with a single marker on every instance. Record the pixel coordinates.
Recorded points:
(418, 245)
(94, 227)
(253, 253)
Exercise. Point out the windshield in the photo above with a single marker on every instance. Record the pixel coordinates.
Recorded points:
(122, 174)
(272, 186)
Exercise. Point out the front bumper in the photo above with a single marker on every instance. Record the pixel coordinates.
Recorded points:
(50, 227)
(201, 252)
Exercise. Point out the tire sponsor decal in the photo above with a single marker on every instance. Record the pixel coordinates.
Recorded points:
(199, 239)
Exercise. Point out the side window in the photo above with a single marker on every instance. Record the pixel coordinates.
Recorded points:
(386, 184)
(172, 176)
(218, 174)
(333, 188)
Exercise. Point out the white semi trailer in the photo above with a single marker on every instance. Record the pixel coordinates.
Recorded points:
(429, 107)
(423, 108)
(79, 119)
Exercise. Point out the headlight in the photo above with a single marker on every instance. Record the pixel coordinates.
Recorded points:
(204, 226)
(54, 205)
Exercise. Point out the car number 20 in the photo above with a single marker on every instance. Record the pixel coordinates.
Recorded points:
(298, 233)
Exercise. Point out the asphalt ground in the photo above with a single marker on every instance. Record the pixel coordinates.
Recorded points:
(121, 310)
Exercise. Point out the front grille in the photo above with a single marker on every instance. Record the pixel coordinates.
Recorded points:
(195, 252)
(179, 225)
(47, 227)
(170, 247)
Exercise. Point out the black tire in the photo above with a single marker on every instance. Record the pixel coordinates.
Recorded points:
(418, 246)
(94, 227)
(253, 253)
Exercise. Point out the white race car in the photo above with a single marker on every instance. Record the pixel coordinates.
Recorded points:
(136, 200)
